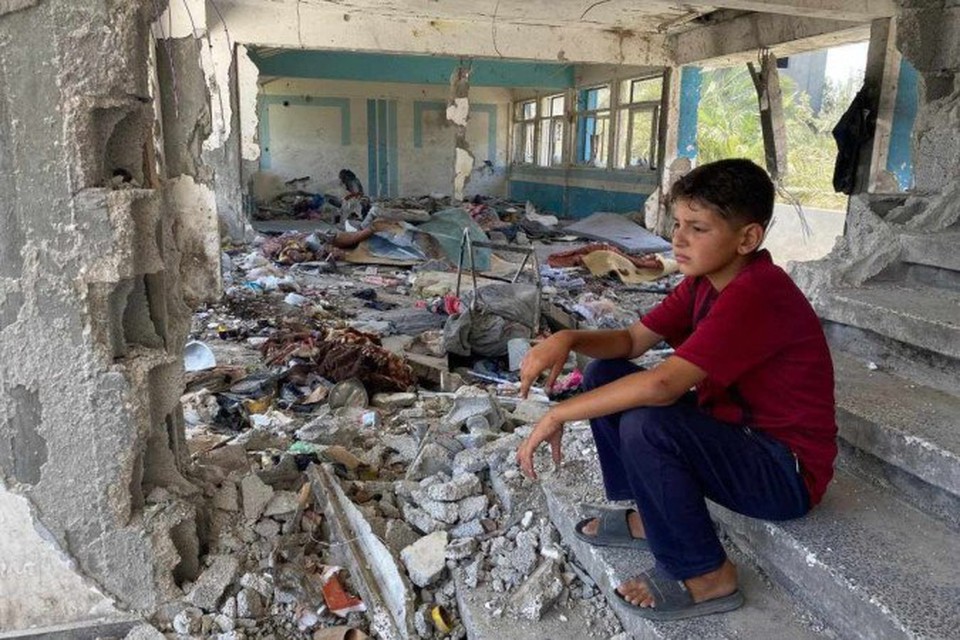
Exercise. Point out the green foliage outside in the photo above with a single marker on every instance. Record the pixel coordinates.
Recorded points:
(729, 127)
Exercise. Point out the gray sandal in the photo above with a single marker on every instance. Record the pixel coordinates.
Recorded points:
(673, 601)
(613, 531)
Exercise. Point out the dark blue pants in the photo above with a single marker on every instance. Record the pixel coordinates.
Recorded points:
(668, 459)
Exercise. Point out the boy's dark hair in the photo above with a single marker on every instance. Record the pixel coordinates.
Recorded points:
(737, 189)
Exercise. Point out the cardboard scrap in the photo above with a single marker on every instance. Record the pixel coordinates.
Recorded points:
(601, 263)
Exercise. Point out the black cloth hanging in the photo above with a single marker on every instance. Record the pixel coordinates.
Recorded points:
(852, 132)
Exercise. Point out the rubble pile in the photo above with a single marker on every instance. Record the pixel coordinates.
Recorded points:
(360, 477)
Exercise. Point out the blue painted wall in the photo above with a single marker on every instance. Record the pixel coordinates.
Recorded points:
(378, 67)
(689, 106)
(264, 102)
(575, 202)
(900, 153)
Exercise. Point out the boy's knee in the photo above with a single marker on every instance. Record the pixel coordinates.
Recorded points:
(600, 372)
(647, 428)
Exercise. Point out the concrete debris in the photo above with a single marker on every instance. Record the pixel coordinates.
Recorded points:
(213, 582)
(462, 486)
(256, 496)
(144, 632)
(539, 592)
(413, 490)
(425, 559)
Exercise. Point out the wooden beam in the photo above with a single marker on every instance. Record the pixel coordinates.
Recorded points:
(736, 41)
(772, 123)
(852, 10)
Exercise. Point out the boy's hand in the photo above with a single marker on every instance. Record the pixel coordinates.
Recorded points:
(550, 354)
(549, 429)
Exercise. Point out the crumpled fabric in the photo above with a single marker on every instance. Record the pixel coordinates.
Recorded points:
(503, 312)
(574, 257)
(341, 354)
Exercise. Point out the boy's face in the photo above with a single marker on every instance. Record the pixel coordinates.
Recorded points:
(706, 244)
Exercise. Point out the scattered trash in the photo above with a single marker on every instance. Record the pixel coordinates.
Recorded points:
(198, 357)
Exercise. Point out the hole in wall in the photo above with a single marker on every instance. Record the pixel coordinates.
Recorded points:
(124, 149)
(187, 543)
(139, 328)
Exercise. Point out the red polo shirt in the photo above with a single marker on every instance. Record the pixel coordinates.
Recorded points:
(767, 361)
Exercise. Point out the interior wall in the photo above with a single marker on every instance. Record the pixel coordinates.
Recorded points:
(317, 127)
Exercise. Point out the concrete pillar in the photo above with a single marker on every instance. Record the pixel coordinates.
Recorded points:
(92, 321)
(690, 82)
(900, 154)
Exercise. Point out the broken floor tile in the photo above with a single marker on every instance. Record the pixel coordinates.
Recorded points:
(210, 586)
(425, 559)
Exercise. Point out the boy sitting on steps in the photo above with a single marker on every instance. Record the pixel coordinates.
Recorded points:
(759, 435)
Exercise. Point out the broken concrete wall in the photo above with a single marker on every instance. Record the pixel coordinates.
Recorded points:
(929, 37)
(92, 318)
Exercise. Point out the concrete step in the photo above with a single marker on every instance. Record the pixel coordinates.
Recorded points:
(922, 316)
(769, 611)
(932, 249)
(907, 425)
(870, 564)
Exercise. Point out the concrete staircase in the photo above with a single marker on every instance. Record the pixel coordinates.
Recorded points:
(880, 556)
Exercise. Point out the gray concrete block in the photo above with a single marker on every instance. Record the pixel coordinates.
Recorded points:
(425, 559)
(469, 461)
(281, 503)
(539, 592)
(394, 401)
(227, 497)
(419, 519)
(213, 582)
(460, 487)
(256, 494)
(470, 529)
(432, 459)
(473, 508)
(445, 512)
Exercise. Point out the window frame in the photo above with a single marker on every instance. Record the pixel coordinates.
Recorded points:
(549, 119)
(598, 113)
(520, 124)
(625, 115)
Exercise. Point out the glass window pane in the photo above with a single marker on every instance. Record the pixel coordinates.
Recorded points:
(543, 155)
(603, 97)
(529, 110)
(601, 140)
(557, 104)
(623, 132)
(641, 139)
(557, 136)
(528, 138)
(544, 107)
(646, 90)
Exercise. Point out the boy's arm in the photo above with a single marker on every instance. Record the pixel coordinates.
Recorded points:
(660, 386)
(551, 354)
